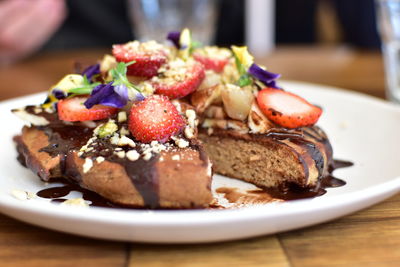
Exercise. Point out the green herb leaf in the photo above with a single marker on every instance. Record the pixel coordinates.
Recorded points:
(245, 80)
(119, 75)
(86, 89)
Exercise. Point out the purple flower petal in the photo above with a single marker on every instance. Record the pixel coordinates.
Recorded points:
(138, 96)
(174, 38)
(266, 77)
(124, 92)
(59, 94)
(105, 94)
(91, 71)
(121, 90)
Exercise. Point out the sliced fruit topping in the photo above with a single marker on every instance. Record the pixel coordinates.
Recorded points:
(237, 101)
(148, 57)
(212, 58)
(155, 119)
(72, 109)
(179, 78)
(287, 109)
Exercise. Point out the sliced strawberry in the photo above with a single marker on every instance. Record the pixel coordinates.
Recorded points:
(287, 109)
(179, 79)
(148, 57)
(72, 109)
(210, 63)
(155, 119)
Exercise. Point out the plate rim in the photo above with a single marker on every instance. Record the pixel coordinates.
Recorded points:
(187, 218)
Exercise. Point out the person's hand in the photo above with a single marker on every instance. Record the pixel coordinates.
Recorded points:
(25, 25)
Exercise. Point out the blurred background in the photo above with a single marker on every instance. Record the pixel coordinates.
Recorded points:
(284, 34)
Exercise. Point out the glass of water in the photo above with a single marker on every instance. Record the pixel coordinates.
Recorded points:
(388, 14)
(153, 19)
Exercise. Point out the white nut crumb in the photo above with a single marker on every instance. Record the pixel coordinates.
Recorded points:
(76, 202)
(124, 131)
(132, 155)
(114, 139)
(123, 141)
(100, 159)
(153, 143)
(181, 143)
(161, 159)
(87, 165)
(176, 157)
(122, 116)
(147, 156)
(80, 153)
(191, 115)
(120, 154)
(19, 194)
(31, 195)
(189, 132)
(210, 131)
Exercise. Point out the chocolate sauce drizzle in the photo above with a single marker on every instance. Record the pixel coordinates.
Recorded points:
(65, 139)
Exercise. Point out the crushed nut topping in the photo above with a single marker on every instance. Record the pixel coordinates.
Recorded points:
(76, 202)
(87, 165)
(22, 195)
(132, 155)
(122, 117)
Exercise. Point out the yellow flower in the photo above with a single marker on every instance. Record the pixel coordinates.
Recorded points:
(243, 55)
(68, 82)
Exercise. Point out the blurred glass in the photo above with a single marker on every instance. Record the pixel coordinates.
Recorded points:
(388, 15)
(153, 19)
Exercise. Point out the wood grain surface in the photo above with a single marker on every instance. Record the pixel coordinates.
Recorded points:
(367, 238)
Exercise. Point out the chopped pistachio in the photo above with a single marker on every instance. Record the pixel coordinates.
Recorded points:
(107, 129)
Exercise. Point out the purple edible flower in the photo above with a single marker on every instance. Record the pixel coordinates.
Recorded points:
(174, 38)
(59, 94)
(91, 71)
(106, 94)
(266, 77)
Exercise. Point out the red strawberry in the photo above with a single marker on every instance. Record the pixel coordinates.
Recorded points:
(72, 109)
(210, 63)
(155, 119)
(179, 81)
(287, 109)
(147, 61)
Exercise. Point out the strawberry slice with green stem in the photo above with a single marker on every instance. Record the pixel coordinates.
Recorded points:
(155, 119)
(148, 57)
(179, 79)
(287, 109)
(73, 109)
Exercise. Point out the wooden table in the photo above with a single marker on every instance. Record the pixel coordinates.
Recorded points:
(367, 238)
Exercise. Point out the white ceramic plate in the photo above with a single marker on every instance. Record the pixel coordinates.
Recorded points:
(362, 129)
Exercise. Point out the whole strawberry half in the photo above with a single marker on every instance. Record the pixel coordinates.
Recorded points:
(146, 63)
(210, 63)
(287, 109)
(181, 81)
(72, 109)
(155, 119)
